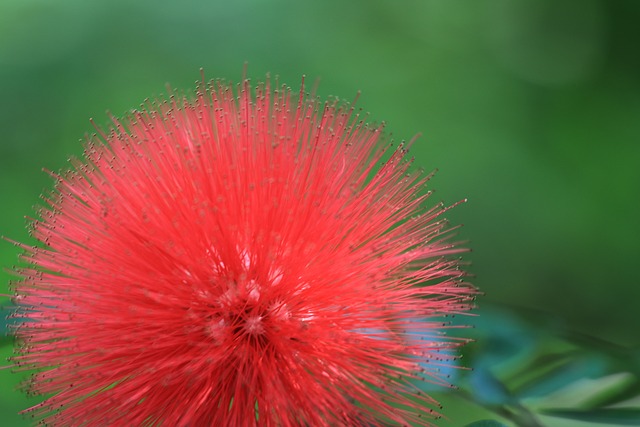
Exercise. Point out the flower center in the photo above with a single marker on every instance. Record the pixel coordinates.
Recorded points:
(239, 314)
(253, 325)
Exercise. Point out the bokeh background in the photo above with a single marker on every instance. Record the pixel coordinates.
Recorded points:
(528, 108)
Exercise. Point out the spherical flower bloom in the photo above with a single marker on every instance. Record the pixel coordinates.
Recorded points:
(249, 258)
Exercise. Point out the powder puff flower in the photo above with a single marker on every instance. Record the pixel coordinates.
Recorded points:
(243, 257)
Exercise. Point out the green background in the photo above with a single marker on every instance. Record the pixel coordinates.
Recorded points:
(528, 108)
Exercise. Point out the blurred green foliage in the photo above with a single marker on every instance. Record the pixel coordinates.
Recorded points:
(530, 108)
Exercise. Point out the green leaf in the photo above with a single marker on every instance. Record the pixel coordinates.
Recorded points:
(487, 389)
(588, 394)
(5, 321)
(558, 371)
(503, 341)
(486, 423)
(609, 416)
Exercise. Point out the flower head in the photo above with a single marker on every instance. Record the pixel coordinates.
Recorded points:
(238, 259)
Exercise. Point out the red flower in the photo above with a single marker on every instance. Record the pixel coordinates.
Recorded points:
(238, 260)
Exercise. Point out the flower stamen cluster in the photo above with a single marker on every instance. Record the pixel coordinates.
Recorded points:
(248, 258)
